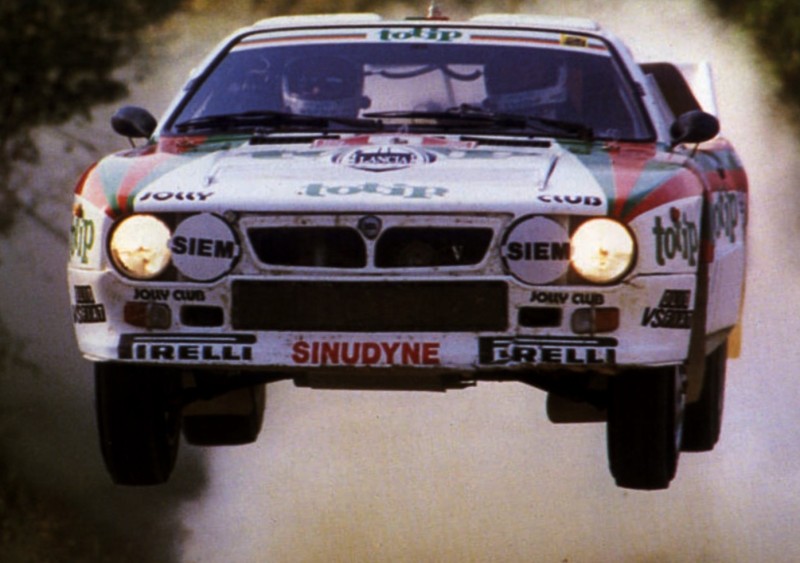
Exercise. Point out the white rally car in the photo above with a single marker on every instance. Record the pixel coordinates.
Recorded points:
(352, 202)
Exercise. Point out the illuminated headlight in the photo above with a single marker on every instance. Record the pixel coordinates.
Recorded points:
(139, 246)
(603, 250)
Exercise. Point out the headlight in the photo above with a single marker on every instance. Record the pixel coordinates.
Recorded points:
(603, 250)
(139, 246)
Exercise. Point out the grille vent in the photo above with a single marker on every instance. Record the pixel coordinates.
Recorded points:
(397, 247)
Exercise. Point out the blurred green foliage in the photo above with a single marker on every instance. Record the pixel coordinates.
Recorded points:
(775, 28)
(58, 57)
(58, 61)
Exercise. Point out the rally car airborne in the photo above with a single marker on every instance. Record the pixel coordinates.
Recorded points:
(347, 201)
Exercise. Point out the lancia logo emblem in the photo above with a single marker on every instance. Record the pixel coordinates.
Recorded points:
(384, 158)
(370, 226)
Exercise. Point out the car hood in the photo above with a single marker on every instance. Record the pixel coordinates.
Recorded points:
(371, 173)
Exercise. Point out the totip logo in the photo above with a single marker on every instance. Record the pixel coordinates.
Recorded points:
(677, 240)
(384, 159)
(82, 238)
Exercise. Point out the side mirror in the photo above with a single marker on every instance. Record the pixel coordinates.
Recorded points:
(694, 127)
(133, 122)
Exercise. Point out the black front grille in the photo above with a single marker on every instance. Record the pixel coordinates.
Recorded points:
(345, 247)
(419, 247)
(396, 306)
(323, 247)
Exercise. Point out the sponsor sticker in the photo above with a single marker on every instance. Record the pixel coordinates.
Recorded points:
(204, 247)
(420, 34)
(384, 158)
(677, 238)
(584, 200)
(725, 215)
(174, 196)
(398, 190)
(673, 311)
(509, 350)
(564, 297)
(536, 250)
(86, 310)
(187, 347)
(157, 294)
(82, 238)
(574, 41)
(365, 353)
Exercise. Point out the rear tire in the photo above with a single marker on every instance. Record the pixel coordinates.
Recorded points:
(703, 419)
(138, 417)
(645, 419)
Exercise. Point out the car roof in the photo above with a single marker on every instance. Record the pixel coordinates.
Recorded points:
(526, 20)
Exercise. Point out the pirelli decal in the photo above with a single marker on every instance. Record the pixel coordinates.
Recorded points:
(529, 350)
(211, 348)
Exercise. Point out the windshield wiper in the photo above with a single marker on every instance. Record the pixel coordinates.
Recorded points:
(270, 119)
(460, 114)
(476, 116)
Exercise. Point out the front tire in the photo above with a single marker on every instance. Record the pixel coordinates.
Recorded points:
(703, 420)
(644, 428)
(139, 418)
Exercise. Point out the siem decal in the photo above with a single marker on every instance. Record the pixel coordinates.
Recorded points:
(366, 353)
(673, 311)
(82, 239)
(192, 347)
(204, 247)
(403, 191)
(147, 294)
(420, 33)
(536, 250)
(680, 239)
(563, 297)
(505, 350)
(86, 310)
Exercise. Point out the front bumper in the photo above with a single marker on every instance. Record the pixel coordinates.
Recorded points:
(496, 324)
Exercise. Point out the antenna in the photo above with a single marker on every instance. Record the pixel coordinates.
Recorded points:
(434, 12)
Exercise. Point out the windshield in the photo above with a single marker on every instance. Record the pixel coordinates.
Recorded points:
(374, 75)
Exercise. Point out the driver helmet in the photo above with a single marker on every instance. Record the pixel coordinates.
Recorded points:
(527, 84)
(324, 86)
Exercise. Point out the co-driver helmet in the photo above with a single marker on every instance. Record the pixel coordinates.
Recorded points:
(527, 84)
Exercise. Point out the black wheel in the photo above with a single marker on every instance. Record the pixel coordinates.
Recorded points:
(703, 419)
(139, 417)
(228, 429)
(645, 419)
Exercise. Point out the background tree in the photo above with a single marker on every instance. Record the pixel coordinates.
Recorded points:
(775, 27)
(58, 61)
